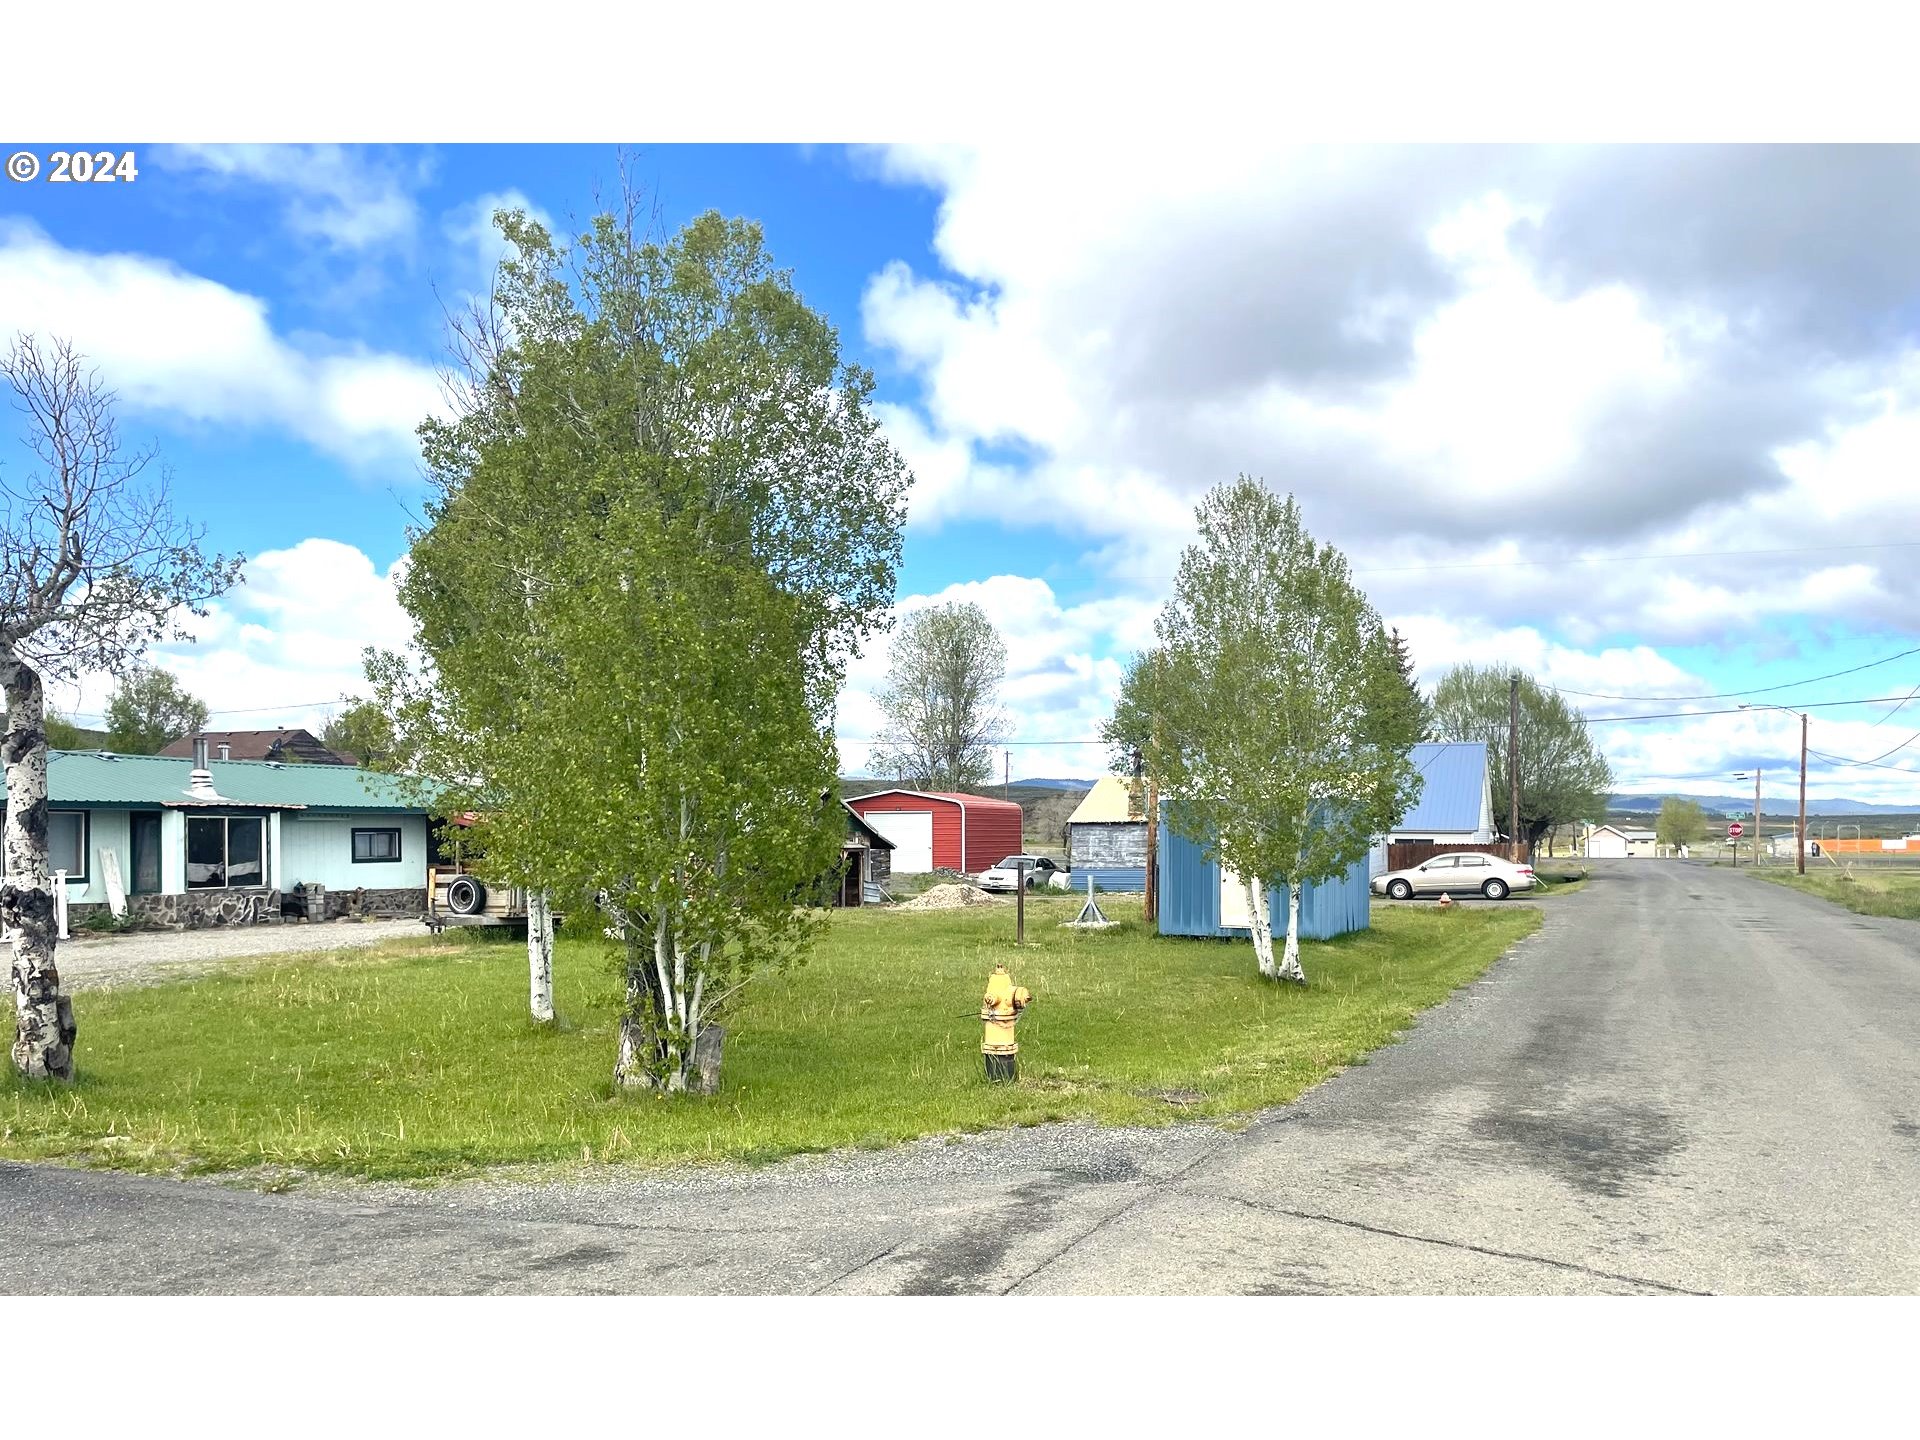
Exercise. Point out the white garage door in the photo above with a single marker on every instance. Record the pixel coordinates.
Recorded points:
(911, 832)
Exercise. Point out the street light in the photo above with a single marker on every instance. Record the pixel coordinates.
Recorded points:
(1800, 829)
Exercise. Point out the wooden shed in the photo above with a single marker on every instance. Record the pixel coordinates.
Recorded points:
(1107, 838)
(942, 830)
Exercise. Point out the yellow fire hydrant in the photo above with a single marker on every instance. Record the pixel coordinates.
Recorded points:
(999, 1010)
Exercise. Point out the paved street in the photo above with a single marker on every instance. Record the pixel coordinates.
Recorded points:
(1688, 1081)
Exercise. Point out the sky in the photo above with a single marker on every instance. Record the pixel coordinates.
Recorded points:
(1642, 422)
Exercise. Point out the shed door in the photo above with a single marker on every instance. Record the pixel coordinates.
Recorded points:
(1234, 913)
(911, 832)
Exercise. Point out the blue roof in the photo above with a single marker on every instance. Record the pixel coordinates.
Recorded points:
(1456, 781)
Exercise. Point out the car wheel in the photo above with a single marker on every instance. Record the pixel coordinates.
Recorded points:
(1400, 890)
(1494, 889)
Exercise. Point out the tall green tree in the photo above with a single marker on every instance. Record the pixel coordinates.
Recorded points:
(664, 519)
(941, 699)
(1272, 739)
(363, 730)
(149, 708)
(1563, 775)
(1681, 822)
(1401, 689)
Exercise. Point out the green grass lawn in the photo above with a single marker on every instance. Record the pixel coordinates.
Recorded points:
(417, 1063)
(1867, 893)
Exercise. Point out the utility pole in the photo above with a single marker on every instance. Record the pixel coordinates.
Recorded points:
(1800, 860)
(1006, 775)
(1150, 810)
(1756, 820)
(1513, 765)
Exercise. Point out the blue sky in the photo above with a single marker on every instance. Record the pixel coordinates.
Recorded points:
(1459, 360)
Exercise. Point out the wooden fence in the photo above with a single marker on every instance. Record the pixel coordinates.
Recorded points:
(1404, 854)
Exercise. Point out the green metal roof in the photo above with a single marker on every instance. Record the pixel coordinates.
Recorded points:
(87, 777)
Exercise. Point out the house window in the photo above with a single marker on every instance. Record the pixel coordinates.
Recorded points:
(375, 846)
(226, 852)
(67, 843)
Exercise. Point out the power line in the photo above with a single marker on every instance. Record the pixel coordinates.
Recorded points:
(1845, 763)
(1736, 710)
(1731, 694)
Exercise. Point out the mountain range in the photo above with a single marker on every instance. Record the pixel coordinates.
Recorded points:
(1722, 804)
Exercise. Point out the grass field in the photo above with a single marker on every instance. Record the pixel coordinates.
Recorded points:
(1868, 892)
(417, 1062)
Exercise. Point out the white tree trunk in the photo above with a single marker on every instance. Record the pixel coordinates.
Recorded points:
(1262, 927)
(43, 1046)
(540, 955)
(1290, 957)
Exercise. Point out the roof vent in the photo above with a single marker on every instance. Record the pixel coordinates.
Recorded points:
(226, 751)
(107, 755)
(200, 782)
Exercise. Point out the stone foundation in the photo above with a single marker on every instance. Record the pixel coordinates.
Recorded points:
(366, 902)
(201, 909)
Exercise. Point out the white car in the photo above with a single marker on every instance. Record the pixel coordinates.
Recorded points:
(1006, 875)
(1462, 872)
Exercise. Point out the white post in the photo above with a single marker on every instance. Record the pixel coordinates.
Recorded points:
(60, 902)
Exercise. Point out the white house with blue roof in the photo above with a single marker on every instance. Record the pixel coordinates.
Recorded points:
(197, 843)
(1456, 799)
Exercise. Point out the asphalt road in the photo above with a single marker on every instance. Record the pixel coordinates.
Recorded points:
(1688, 1081)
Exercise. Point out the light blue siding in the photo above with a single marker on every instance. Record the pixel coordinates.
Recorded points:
(1190, 897)
(318, 850)
(1116, 879)
(106, 830)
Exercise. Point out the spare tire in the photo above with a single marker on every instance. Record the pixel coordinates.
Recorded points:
(466, 896)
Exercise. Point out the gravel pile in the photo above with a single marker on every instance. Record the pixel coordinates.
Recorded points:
(951, 897)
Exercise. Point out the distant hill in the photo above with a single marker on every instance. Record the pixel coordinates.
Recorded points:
(1056, 784)
(1722, 804)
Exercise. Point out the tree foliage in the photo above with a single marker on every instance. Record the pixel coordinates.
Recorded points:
(1401, 690)
(1563, 775)
(1264, 711)
(150, 708)
(664, 519)
(362, 731)
(1681, 822)
(941, 699)
(94, 567)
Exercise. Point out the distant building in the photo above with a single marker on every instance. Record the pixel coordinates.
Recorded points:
(299, 747)
(942, 830)
(1616, 842)
(1455, 805)
(1107, 838)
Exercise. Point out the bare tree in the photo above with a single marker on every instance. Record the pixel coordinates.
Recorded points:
(94, 568)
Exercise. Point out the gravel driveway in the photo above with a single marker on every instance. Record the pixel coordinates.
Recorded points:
(102, 964)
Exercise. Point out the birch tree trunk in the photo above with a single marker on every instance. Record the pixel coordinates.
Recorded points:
(1262, 927)
(1290, 957)
(634, 1060)
(43, 1047)
(540, 955)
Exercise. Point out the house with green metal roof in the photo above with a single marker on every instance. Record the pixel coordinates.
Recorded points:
(194, 842)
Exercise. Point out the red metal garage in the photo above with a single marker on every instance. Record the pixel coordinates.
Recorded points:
(941, 830)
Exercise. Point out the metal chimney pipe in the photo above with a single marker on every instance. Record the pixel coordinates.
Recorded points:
(200, 752)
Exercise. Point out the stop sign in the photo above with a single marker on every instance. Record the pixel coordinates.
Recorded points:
(1735, 830)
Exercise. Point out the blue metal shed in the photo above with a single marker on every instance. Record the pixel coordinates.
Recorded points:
(1191, 898)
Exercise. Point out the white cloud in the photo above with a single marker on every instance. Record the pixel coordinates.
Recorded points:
(1417, 344)
(342, 199)
(166, 339)
(280, 649)
(476, 244)
(1061, 681)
